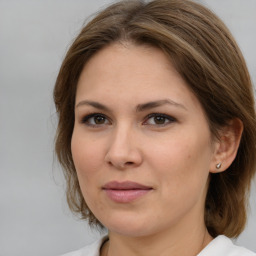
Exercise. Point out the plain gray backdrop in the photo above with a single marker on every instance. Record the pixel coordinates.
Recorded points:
(34, 36)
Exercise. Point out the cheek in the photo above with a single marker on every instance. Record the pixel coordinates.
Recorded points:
(181, 162)
(183, 173)
(87, 158)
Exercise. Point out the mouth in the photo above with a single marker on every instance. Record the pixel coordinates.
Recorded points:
(125, 192)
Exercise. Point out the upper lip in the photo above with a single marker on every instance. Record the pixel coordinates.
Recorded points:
(126, 185)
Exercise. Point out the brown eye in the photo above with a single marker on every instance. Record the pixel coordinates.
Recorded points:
(158, 119)
(95, 120)
(99, 120)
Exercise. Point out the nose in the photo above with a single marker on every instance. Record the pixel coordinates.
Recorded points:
(123, 150)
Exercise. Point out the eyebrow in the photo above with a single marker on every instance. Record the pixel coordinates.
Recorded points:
(93, 104)
(139, 108)
(158, 103)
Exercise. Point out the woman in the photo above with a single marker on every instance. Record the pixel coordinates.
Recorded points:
(157, 130)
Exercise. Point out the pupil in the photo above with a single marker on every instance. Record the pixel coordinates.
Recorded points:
(159, 120)
(99, 120)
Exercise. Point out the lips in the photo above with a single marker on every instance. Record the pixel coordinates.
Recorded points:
(127, 185)
(125, 192)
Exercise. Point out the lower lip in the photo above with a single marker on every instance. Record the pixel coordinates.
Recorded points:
(126, 196)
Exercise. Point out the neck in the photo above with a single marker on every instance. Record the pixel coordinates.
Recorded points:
(162, 244)
(186, 236)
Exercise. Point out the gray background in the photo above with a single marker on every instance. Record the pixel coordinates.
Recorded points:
(34, 36)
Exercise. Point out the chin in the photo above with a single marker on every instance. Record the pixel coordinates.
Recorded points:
(130, 226)
(130, 231)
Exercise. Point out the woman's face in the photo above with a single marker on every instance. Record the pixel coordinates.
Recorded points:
(141, 144)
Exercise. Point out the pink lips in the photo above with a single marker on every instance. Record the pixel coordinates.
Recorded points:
(125, 192)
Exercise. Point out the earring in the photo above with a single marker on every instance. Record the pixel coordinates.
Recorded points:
(218, 166)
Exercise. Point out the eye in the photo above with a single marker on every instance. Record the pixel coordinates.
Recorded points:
(95, 120)
(158, 119)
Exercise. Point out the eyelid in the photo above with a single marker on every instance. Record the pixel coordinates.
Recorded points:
(85, 118)
(171, 119)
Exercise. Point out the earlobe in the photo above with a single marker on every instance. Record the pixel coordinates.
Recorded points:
(227, 146)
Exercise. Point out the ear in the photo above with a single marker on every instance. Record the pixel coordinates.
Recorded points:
(226, 147)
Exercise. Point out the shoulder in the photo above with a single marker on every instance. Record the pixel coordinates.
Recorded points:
(223, 246)
(89, 250)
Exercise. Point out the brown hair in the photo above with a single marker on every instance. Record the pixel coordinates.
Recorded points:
(207, 57)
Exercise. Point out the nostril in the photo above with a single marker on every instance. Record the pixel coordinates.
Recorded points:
(123, 160)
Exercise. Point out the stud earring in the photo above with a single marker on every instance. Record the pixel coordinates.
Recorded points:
(218, 166)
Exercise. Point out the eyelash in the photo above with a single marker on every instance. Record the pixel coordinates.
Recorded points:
(85, 120)
(168, 118)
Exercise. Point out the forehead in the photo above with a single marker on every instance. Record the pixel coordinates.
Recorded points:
(129, 57)
(132, 72)
(118, 60)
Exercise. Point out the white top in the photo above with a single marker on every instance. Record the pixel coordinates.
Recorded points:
(220, 246)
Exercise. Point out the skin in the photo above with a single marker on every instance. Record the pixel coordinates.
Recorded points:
(173, 157)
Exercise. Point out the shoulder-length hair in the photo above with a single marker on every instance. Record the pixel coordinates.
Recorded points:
(207, 57)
